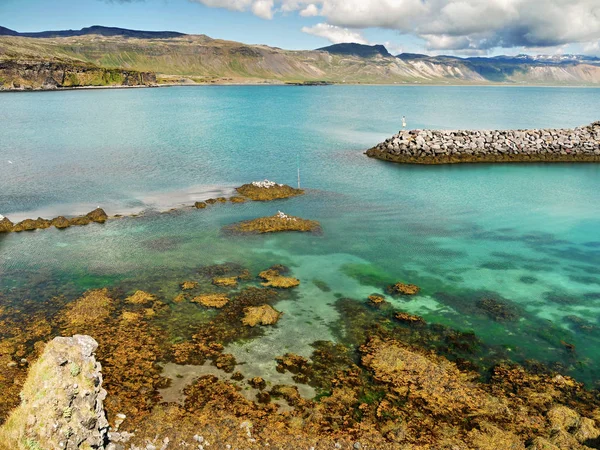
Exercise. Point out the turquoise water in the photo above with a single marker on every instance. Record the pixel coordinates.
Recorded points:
(527, 235)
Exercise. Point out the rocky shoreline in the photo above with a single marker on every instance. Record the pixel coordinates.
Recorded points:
(580, 144)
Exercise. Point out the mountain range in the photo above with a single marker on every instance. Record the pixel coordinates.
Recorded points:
(52, 59)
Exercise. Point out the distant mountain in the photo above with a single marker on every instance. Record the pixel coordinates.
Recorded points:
(97, 30)
(360, 50)
(201, 59)
(7, 32)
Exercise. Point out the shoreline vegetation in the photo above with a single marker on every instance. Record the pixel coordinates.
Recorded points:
(256, 191)
(431, 147)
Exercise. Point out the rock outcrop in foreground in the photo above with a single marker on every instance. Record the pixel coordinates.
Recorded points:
(61, 401)
(448, 147)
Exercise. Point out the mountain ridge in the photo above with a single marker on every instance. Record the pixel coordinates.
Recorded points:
(201, 59)
(94, 30)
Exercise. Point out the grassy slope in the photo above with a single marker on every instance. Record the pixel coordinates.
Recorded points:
(203, 59)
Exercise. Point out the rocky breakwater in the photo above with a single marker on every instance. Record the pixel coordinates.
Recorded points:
(580, 144)
(97, 216)
(61, 401)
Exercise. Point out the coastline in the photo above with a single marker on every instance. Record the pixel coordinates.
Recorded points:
(271, 83)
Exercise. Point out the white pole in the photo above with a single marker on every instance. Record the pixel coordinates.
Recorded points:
(298, 170)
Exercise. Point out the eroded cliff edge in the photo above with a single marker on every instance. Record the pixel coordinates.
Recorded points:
(580, 144)
(16, 75)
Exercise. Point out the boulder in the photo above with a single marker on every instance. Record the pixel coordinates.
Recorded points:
(61, 222)
(98, 215)
(6, 225)
(80, 221)
(200, 205)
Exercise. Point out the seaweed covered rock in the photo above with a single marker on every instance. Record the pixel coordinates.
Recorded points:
(409, 318)
(98, 215)
(433, 383)
(257, 383)
(498, 310)
(93, 307)
(80, 221)
(280, 222)
(61, 222)
(267, 190)
(273, 278)
(238, 199)
(200, 205)
(6, 226)
(30, 225)
(188, 285)
(62, 400)
(376, 300)
(211, 300)
(225, 281)
(403, 289)
(140, 298)
(260, 315)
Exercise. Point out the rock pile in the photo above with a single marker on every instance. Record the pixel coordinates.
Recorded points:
(446, 147)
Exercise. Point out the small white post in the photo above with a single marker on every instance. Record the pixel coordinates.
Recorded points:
(298, 170)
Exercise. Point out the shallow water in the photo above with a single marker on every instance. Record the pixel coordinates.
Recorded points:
(524, 234)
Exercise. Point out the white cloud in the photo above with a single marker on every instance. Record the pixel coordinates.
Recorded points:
(336, 35)
(263, 8)
(447, 24)
(310, 11)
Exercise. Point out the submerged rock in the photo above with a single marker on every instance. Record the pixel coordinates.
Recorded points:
(61, 222)
(409, 318)
(403, 289)
(267, 190)
(62, 400)
(273, 278)
(6, 226)
(189, 285)
(260, 315)
(98, 215)
(225, 281)
(376, 300)
(211, 300)
(280, 222)
(140, 298)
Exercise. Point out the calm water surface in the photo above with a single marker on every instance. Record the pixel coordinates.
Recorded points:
(527, 235)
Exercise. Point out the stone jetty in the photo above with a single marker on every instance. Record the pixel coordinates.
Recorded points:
(580, 144)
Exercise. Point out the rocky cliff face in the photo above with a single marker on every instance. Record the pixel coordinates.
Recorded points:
(29, 75)
(61, 401)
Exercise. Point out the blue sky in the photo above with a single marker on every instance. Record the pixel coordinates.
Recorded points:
(175, 15)
(463, 27)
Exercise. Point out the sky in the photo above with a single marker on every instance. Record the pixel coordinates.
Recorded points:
(454, 27)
